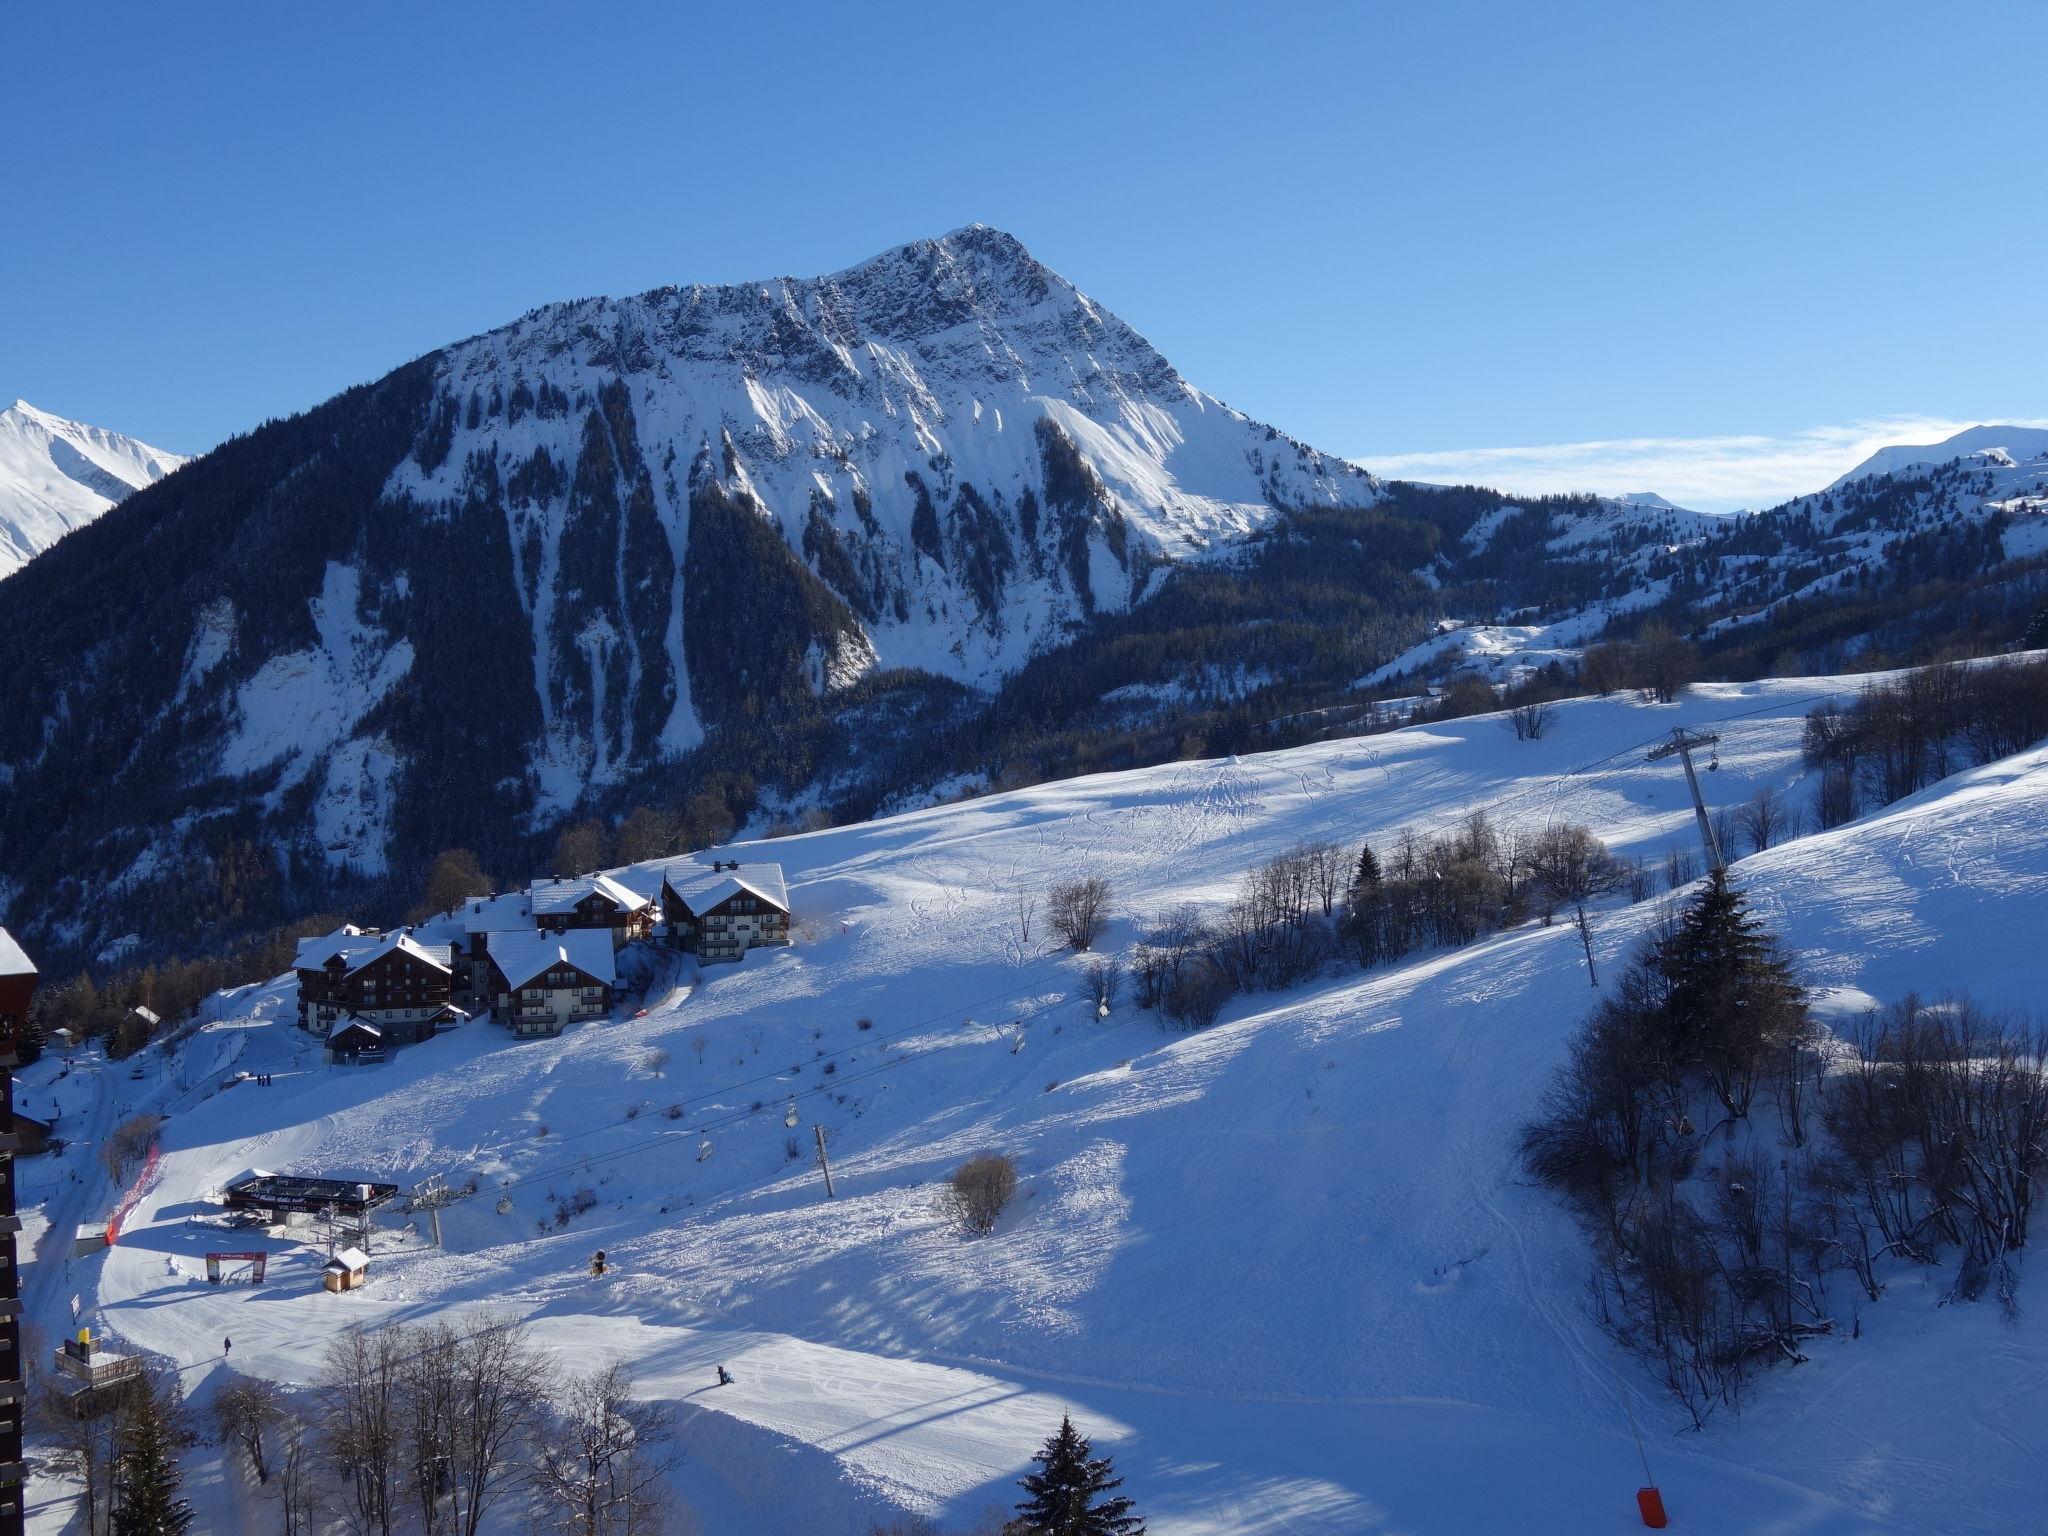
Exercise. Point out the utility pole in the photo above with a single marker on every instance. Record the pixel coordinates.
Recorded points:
(824, 1162)
(1681, 745)
(429, 1196)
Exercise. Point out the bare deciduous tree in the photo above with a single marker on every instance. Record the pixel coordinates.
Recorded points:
(605, 1472)
(500, 1384)
(1325, 867)
(129, 1144)
(1763, 821)
(246, 1413)
(1102, 981)
(1573, 867)
(297, 1486)
(360, 1431)
(980, 1189)
(1681, 868)
(1075, 910)
(1530, 719)
(81, 1446)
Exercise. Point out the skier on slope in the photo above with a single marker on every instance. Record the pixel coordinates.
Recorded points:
(724, 1377)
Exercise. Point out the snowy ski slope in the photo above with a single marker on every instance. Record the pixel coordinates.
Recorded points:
(1285, 1270)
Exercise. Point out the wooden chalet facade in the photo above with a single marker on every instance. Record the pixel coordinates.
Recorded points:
(721, 912)
(401, 989)
(544, 982)
(592, 901)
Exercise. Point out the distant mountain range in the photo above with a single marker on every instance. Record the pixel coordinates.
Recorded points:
(58, 475)
(1998, 446)
(821, 545)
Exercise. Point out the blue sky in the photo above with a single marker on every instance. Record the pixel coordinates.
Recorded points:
(1400, 232)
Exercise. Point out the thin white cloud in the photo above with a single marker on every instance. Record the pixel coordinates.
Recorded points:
(1711, 474)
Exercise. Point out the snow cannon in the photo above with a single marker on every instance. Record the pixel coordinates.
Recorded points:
(1651, 1504)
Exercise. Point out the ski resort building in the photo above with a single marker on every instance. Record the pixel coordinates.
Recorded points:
(722, 911)
(543, 982)
(17, 988)
(278, 1196)
(467, 931)
(592, 901)
(31, 1136)
(399, 988)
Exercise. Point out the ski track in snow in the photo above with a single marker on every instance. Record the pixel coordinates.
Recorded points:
(1285, 1270)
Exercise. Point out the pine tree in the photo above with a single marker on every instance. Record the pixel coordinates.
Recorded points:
(2036, 637)
(1064, 1491)
(1365, 917)
(146, 1501)
(1732, 1001)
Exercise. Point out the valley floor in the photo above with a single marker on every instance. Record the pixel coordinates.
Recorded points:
(1285, 1270)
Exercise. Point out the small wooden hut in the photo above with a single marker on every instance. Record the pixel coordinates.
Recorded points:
(347, 1269)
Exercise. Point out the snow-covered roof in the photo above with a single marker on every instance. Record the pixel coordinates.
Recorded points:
(551, 897)
(435, 955)
(702, 888)
(440, 933)
(14, 960)
(147, 1015)
(643, 880)
(358, 949)
(495, 914)
(356, 1024)
(348, 1258)
(520, 957)
(312, 954)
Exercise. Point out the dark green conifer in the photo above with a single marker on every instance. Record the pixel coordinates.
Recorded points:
(146, 1501)
(1073, 1492)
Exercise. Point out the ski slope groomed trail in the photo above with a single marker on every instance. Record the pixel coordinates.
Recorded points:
(1286, 1270)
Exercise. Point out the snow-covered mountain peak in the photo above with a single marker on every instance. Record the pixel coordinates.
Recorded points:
(57, 475)
(970, 308)
(967, 457)
(1999, 445)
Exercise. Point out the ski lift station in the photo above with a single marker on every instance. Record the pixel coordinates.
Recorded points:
(287, 1194)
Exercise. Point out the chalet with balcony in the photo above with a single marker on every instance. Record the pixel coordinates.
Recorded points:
(722, 910)
(543, 982)
(591, 902)
(391, 983)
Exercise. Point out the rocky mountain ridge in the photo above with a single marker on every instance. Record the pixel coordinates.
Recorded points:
(57, 475)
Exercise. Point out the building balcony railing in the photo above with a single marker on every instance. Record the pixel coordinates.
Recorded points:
(100, 1369)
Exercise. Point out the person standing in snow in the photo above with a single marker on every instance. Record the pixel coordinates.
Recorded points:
(226, 1345)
